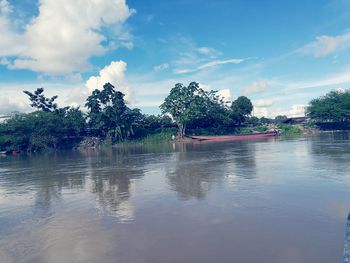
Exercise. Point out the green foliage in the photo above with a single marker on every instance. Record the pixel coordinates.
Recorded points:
(110, 117)
(40, 102)
(48, 128)
(108, 114)
(191, 105)
(112, 120)
(254, 121)
(163, 136)
(264, 120)
(333, 107)
(261, 128)
(242, 107)
(249, 130)
(184, 104)
(42, 130)
(289, 130)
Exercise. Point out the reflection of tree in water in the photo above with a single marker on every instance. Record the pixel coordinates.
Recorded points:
(332, 145)
(46, 175)
(331, 153)
(108, 174)
(111, 177)
(198, 167)
(242, 159)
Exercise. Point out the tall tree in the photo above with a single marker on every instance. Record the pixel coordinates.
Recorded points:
(186, 104)
(108, 113)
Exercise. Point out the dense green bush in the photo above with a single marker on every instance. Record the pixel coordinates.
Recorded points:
(41, 130)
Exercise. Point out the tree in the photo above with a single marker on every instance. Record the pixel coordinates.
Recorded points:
(186, 104)
(333, 107)
(241, 108)
(40, 130)
(108, 114)
(39, 101)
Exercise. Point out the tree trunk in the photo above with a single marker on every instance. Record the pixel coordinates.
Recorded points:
(182, 129)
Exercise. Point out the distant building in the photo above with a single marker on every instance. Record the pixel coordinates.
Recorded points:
(296, 120)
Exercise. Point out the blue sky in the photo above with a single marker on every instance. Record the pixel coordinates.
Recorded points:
(280, 54)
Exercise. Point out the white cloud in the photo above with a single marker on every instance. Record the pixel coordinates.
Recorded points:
(208, 65)
(336, 79)
(194, 58)
(64, 35)
(263, 103)
(161, 67)
(5, 7)
(147, 103)
(114, 74)
(225, 94)
(212, 52)
(261, 112)
(4, 61)
(325, 45)
(256, 87)
(296, 110)
(10, 104)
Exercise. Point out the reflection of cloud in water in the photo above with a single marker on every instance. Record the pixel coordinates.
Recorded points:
(197, 168)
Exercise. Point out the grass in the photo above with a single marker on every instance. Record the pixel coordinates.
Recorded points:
(246, 130)
(289, 130)
(164, 136)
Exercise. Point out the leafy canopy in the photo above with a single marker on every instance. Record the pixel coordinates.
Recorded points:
(241, 108)
(334, 107)
(39, 101)
(187, 104)
(108, 114)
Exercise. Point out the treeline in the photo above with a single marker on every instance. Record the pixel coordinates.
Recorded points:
(186, 110)
(108, 117)
(53, 127)
(333, 107)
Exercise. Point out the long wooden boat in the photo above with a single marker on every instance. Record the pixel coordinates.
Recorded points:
(260, 135)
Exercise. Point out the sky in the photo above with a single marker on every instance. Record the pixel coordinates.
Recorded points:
(280, 54)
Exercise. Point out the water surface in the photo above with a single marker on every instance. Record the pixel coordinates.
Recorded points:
(249, 201)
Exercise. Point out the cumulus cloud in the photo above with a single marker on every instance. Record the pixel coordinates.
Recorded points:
(161, 67)
(256, 87)
(263, 103)
(64, 35)
(325, 45)
(114, 74)
(296, 110)
(10, 104)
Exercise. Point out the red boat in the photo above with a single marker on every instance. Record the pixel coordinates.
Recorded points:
(260, 135)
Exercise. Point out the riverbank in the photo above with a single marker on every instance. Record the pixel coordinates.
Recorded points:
(169, 135)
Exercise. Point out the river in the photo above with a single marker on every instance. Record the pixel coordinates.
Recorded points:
(272, 201)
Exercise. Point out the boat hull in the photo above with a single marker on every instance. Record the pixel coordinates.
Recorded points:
(264, 135)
